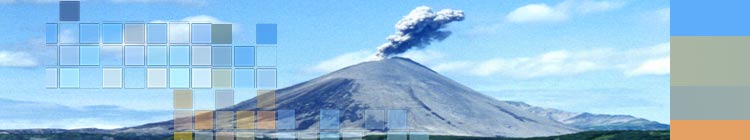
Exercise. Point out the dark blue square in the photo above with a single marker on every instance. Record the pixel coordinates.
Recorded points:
(70, 10)
(265, 33)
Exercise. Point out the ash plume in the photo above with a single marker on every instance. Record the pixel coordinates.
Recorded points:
(417, 29)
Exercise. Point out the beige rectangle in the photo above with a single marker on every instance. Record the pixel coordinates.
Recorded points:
(224, 135)
(266, 119)
(245, 120)
(204, 120)
(183, 99)
(266, 99)
(710, 61)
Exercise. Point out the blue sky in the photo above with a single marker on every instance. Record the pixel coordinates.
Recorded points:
(607, 57)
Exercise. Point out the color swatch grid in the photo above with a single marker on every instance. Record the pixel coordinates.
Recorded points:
(177, 55)
(261, 118)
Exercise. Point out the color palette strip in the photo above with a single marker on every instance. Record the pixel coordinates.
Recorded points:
(710, 83)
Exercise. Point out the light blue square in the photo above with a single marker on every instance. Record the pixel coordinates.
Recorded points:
(111, 33)
(89, 33)
(286, 119)
(91, 78)
(244, 78)
(179, 33)
(51, 33)
(179, 77)
(329, 119)
(134, 55)
(397, 119)
(89, 55)
(157, 33)
(265, 33)
(201, 33)
(244, 56)
(69, 55)
(69, 78)
(111, 55)
(201, 55)
(266, 78)
(134, 77)
(157, 55)
(266, 56)
(179, 55)
(68, 33)
(286, 135)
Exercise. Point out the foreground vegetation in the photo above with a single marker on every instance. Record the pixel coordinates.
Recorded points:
(589, 135)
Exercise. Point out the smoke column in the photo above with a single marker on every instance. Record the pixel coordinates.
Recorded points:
(418, 29)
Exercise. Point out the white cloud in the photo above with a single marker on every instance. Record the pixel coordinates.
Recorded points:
(535, 12)
(659, 66)
(640, 61)
(541, 12)
(17, 59)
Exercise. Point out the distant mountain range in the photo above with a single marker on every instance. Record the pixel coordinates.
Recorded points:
(588, 121)
(435, 103)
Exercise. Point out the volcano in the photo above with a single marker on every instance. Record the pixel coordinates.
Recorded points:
(435, 103)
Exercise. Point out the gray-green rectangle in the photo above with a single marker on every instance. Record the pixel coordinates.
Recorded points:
(221, 33)
(710, 61)
(710, 103)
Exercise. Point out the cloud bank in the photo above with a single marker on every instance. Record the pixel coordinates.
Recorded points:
(541, 12)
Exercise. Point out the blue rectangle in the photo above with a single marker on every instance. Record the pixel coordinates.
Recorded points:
(329, 119)
(70, 10)
(265, 33)
(244, 56)
(89, 33)
(221, 56)
(266, 78)
(157, 55)
(179, 55)
(134, 77)
(244, 78)
(89, 55)
(112, 33)
(68, 33)
(286, 119)
(397, 119)
(69, 55)
(134, 55)
(710, 18)
(69, 78)
(51, 33)
(179, 77)
(111, 55)
(157, 33)
(201, 33)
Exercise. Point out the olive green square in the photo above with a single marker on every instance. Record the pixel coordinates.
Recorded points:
(221, 33)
